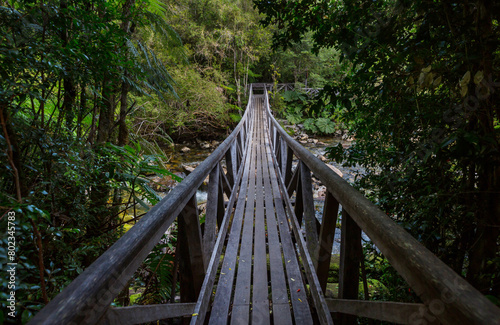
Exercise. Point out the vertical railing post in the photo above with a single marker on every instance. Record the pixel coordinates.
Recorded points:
(350, 257)
(299, 206)
(191, 266)
(277, 148)
(209, 235)
(230, 166)
(284, 156)
(326, 237)
(287, 173)
(310, 220)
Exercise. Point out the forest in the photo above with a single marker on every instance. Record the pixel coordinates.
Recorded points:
(93, 92)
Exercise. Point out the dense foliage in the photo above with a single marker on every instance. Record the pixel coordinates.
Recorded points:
(68, 71)
(421, 90)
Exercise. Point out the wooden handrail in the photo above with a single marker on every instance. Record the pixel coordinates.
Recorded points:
(446, 295)
(88, 297)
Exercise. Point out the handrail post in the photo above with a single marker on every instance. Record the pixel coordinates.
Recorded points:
(230, 167)
(309, 215)
(191, 266)
(213, 194)
(326, 237)
(350, 258)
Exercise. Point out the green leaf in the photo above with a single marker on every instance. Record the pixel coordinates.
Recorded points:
(310, 125)
(325, 125)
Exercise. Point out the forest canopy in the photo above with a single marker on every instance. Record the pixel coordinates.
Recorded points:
(421, 94)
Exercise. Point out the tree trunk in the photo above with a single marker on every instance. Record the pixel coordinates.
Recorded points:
(106, 115)
(122, 125)
(482, 266)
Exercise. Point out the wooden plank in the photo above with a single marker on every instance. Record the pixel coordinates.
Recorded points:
(298, 297)
(315, 289)
(260, 302)
(206, 291)
(220, 308)
(241, 302)
(388, 311)
(281, 306)
(326, 237)
(191, 264)
(144, 314)
(309, 215)
(210, 233)
(350, 257)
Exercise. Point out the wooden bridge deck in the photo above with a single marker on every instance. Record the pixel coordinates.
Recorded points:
(260, 279)
(260, 260)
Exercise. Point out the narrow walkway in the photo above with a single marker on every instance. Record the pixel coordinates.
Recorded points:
(260, 280)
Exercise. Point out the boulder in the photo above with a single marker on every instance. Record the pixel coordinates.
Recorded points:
(185, 150)
(335, 169)
(188, 169)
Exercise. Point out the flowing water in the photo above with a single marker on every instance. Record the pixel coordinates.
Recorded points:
(193, 157)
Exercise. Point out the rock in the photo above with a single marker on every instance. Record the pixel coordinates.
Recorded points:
(164, 184)
(188, 169)
(304, 136)
(335, 169)
(185, 150)
(319, 143)
(303, 141)
(322, 158)
(215, 143)
(205, 145)
(315, 141)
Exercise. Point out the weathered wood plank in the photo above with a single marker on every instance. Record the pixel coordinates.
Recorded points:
(223, 294)
(326, 237)
(260, 302)
(394, 312)
(298, 297)
(241, 302)
(281, 307)
(206, 292)
(144, 314)
(191, 264)
(315, 289)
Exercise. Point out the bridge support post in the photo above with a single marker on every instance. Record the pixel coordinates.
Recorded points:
(287, 173)
(310, 221)
(350, 257)
(326, 237)
(191, 263)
